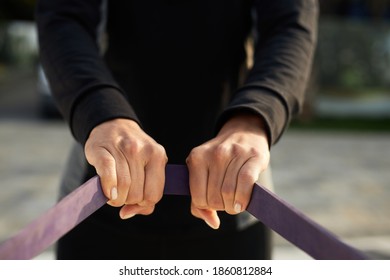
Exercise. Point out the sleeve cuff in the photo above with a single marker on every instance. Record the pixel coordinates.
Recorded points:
(264, 103)
(97, 107)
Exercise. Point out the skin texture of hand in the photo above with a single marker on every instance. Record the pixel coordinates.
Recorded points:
(223, 170)
(130, 164)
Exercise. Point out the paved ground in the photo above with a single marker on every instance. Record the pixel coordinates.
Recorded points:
(339, 179)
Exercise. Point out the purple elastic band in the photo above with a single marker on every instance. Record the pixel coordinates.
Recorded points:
(275, 213)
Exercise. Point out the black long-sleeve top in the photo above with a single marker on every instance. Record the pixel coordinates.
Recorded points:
(176, 67)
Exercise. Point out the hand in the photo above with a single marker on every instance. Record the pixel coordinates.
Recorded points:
(130, 164)
(223, 170)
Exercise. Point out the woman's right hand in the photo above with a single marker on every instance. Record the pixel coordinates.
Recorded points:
(130, 164)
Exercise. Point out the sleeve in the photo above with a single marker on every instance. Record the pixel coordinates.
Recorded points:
(285, 41)
(82, 86)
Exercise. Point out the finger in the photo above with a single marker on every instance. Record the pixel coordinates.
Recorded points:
(229, 186)
(198, 177)
(154, 181)
(247, 177)
(124, 179)
(215, 180)
(208, 215)
(105, 166)
(135, 163)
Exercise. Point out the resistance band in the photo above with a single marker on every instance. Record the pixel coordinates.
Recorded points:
(270, 209)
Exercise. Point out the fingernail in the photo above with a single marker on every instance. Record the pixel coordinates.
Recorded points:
(237, 207)
(114, 193)
(128, 216)
(210, 225)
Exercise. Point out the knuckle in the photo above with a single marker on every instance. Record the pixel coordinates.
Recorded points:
(227, 190)
(157, 152)
(237, 149)
(220, 152)
(216, 203)
(124, 181)
(246, 176)
(129, 147)
(106, 160)
(160, 149)
(195, 157)
(134, 197)
(147, 210)
(90, 145)
(153, 198)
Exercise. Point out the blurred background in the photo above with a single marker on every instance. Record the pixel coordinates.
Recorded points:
(333, 163)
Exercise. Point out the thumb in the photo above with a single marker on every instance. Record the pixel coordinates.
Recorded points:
(208, 215)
